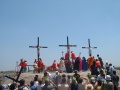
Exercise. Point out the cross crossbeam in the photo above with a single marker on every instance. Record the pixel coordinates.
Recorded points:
(89, 48)
(68, 46)
(38, 48)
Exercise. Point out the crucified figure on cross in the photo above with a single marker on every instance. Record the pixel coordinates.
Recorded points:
(89, 48)
(38, 48)
(68, 47)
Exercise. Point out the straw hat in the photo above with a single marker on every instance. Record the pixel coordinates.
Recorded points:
(89, 87)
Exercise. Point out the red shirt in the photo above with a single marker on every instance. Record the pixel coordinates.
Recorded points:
(98, 63)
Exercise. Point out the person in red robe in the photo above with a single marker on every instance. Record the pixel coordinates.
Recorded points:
(42, 66)
(66, 55)
(80, 63)
(54, 65)
(23, 64)
(39, 65)
(73, 56)
(90, 61)
(98, 64)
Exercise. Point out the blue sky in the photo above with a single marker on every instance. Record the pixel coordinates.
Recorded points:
(22, 21)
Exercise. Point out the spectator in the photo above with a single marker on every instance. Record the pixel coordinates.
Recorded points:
(40, 85)
(107, 84)
(101, 76)
(115, 80)
(99, 83)
(23, 86)
(74, 84)
(32, 87)
(63, 85)
(47, 85)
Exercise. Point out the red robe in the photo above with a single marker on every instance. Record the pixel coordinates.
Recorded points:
(80, 65)
(54, 65)
(23, 64)
(73, 56)
(90, 61)
(67, 56)
(39, 63)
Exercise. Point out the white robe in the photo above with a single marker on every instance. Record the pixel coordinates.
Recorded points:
(62, 66)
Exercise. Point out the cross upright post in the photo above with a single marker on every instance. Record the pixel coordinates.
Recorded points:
(68, 46)
(89, 48)
(38, 48)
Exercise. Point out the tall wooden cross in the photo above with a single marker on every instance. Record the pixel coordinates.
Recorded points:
(89, 48)
(38, 48)
(68, 46)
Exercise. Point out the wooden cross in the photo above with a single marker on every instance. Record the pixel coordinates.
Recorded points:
(68, 46)
(89, 48)
(38, 48)
(17, 79)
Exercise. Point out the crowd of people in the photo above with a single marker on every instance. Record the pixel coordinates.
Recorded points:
(102, 76)
(61, 81)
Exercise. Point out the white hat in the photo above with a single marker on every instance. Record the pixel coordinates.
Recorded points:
(106, 61)
(108, 78)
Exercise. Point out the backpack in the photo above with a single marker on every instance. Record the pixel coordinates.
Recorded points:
(107, 85)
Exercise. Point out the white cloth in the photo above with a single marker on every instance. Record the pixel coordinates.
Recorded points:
(62, 66)
(49, 75)
(35, 64)
(36, 83)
